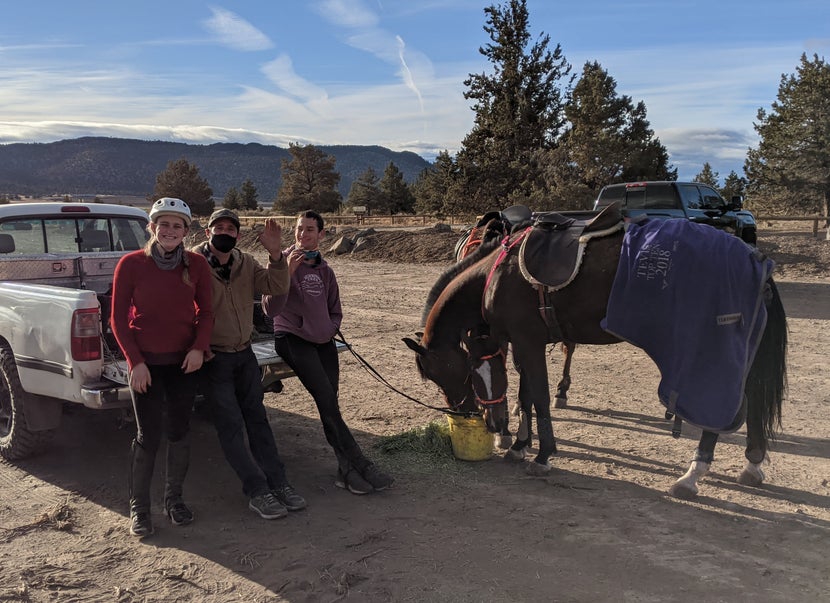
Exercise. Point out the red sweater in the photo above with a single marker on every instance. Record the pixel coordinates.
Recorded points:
(156, 317)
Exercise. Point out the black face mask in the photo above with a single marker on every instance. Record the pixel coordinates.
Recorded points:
(223, 242)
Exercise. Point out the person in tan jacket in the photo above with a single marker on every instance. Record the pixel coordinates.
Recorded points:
(232, 379)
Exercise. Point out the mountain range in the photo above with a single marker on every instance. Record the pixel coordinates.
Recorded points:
(119, 166)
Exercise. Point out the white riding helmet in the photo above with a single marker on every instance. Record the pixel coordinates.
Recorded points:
(168, 206)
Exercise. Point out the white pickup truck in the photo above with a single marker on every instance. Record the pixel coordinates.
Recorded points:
(56, 266)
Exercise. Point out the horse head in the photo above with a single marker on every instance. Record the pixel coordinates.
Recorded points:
(449, 369)
(487, 359)
(472, 378)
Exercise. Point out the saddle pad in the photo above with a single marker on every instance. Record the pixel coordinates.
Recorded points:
(691, 297)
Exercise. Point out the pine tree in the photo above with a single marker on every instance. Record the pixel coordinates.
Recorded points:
(434, 184)
(309, 181)
(790, 169)
(181, 180)
(733, 186)
(607, 140)
(395, 193)
(249, 198)
(231, 200)
(708, 176)
(364, 192)
(519, 109)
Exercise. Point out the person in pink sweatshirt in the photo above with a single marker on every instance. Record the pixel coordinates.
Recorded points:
(305, 322)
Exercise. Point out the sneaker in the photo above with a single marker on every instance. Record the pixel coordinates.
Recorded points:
(353, 482)
(377, 478)
(289, 498)
(267, 506)
(178, 513)
(140, 524)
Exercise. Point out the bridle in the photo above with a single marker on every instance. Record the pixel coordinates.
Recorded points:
(485, 403)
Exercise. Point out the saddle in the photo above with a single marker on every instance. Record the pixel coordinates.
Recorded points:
(552, 251)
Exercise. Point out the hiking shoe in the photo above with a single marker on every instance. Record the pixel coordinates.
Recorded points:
(353, 482)
(289, 498)
(267, 506)
(178, 513)
(377, 478)
(140, 524)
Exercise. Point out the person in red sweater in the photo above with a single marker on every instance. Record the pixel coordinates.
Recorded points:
(162, 318)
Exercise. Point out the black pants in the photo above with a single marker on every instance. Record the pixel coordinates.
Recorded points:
(234, 389)
(318, 368)
(172, 388)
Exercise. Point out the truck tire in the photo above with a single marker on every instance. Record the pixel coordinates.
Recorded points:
(16, 440)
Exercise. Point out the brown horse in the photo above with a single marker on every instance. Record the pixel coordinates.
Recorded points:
(492, 295)
(496, 225)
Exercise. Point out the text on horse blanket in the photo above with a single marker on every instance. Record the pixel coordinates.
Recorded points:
(692, 297)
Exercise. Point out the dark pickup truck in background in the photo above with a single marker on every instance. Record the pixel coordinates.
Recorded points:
(690, 200)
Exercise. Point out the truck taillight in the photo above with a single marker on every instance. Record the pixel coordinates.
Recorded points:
(86, 341)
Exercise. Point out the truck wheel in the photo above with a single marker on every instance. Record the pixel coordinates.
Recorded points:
(16, 441)
(750, 236)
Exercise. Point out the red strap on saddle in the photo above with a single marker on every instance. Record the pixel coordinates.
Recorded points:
(472, 241)
(505, 249)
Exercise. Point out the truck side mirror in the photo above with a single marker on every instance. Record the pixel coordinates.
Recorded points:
(737, 202)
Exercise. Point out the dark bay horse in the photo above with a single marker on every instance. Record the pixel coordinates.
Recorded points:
(497, 224)
(491, 295)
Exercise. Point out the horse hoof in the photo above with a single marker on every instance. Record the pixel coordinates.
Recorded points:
(748, 478)
(560, 402)
(504, 442)
(515, 456)
(537, 469)
(682, 491)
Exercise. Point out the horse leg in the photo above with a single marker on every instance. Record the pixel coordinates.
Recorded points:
(686, 486)
(533, 385)
(565, 384)
(524, 435)
(756, 450)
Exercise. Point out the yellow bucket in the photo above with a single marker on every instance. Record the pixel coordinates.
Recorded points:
(470, 439)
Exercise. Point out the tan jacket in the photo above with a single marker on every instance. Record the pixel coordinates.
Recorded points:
(233, 301)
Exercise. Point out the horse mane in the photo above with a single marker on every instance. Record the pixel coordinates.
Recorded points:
(487, 245)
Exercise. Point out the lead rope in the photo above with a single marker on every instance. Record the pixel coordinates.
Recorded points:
(381, 379)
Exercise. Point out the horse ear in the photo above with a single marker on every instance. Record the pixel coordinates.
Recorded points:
(415, 346)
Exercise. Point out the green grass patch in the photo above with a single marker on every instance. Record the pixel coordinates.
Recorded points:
(431, 440)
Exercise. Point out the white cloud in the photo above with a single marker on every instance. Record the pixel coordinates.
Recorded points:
(347, 13)
(281, 72)
(235, 32)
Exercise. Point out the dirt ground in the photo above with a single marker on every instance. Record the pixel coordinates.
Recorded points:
(600, 527)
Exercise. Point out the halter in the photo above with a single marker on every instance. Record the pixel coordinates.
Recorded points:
(494, 401)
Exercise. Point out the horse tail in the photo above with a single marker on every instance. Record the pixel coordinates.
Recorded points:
(767, 380)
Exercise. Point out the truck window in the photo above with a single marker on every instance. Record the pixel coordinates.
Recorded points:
(711, 198)
(635, 198)
(26, 236)
(61, 235)
(690, 196)
(660, 196)
(129, 234)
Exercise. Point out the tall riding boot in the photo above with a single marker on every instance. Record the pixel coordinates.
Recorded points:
(141, 474)
(178, 459)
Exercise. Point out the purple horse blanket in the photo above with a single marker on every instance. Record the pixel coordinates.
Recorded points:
(692, 297)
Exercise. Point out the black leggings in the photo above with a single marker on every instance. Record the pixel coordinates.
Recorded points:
(318, 368)
(172, 388)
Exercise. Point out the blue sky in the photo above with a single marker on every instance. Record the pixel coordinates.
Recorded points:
(385, 72)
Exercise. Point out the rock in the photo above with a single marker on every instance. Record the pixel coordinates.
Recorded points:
(341, 246)
(360, 243)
